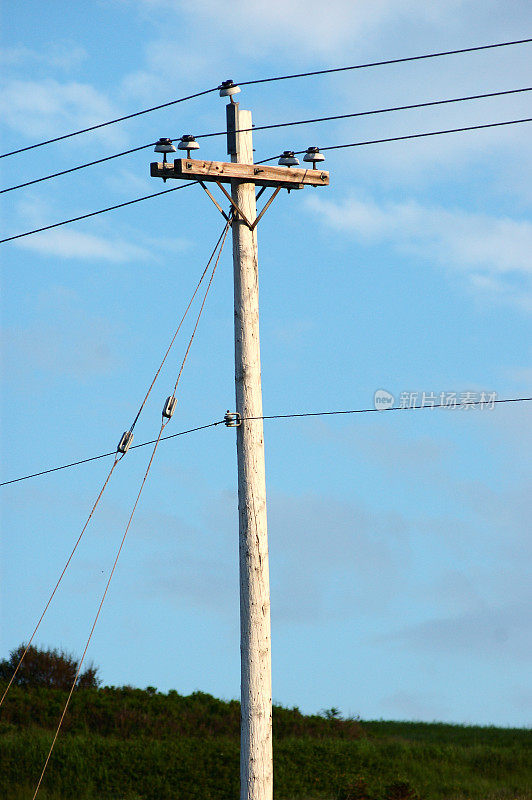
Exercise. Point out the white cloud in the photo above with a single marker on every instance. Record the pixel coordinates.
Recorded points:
(48, 108)
(493, 251)
(61, 55)
(305, 25)
(74, 244)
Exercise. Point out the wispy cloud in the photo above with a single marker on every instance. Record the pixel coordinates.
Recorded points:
(49, 107)
(60, 55)
(304, 26)
(75, 244)
(491, 632)
(493, 251)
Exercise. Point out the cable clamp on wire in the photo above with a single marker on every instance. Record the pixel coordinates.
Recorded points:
(125, 441)
(232, 419)
(169, 406)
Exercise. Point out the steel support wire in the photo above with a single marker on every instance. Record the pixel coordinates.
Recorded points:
(221, 242)
(221, 239)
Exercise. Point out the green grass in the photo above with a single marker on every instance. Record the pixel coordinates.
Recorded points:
(128, 744)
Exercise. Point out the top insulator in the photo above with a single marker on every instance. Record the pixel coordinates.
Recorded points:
(227, 88)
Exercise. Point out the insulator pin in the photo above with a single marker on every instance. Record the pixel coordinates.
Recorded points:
(232, 419)
(169, 406)
(125, 441)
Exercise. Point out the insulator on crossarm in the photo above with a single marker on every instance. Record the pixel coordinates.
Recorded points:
(164, 146)
(288, 159)
(188, 143)
(313, 155)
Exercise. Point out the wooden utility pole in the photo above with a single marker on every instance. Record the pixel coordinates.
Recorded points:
(256, 759)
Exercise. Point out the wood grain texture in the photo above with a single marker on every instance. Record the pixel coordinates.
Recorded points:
(256, 759)
(261, 175)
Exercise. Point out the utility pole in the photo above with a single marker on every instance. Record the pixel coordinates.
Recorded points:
(256, 756)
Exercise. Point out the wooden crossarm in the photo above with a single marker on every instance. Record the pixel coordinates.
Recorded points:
(223, 172)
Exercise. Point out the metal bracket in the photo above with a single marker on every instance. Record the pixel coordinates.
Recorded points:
(251, 225)
(232, 419)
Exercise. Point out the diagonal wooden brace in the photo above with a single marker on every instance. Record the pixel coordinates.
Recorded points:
(246, 220)
(251, 225)
(270, 201)
(216, 203)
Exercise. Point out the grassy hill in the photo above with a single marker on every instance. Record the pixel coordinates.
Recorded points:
(131, 744)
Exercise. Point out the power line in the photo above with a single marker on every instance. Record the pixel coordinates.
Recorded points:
(109, 122)
(365, 113)
(270, 80)
(264, 161)
(388, 61)
(95, 621)
(106, 455)
(117, 458)
(393, 408)
(74, 169)
(410, 136)
(95, 213)
(266, 417)
(275, 125)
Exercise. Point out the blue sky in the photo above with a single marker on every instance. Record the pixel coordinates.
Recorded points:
(398, 546)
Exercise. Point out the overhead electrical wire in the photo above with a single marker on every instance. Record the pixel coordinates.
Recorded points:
(270, 80)
(73, 686)
(106, 455)
(386, 62)
(109, 122)
(219, 246)
(409, 136)
(75, 169)
(272, 126)
(117, 456)
(95, 213)
(264, 161)
(271, 416)
(363, 113)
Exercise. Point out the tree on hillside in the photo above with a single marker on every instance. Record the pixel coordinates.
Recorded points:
(54, 669)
